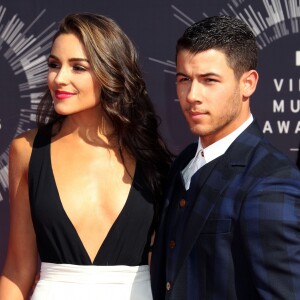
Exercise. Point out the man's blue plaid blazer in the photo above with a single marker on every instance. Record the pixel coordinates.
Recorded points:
(235, 234)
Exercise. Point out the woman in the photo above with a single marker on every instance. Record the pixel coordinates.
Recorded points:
(85, 186)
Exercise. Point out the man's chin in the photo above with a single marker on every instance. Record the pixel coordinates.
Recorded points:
(196, 130)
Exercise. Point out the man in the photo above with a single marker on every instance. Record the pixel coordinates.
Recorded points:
(231, 228)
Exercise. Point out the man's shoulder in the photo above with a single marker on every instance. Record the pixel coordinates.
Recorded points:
(261, 157)
(275, 158)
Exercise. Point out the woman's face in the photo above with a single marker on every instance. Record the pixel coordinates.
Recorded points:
(71, 81)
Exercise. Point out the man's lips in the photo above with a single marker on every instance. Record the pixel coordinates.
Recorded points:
(194, 113)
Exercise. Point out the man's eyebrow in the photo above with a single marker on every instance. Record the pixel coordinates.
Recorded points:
(181, 74)
(199, 75)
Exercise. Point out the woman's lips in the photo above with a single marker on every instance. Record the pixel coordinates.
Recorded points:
(61, 95)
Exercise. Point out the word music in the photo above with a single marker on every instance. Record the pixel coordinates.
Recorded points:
(282, 106)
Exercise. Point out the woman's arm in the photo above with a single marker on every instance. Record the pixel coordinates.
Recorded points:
(21, 261)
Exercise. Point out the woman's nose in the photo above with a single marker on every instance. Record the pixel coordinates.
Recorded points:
(62, 76)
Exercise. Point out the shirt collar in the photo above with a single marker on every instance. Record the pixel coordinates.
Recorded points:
(218, 148)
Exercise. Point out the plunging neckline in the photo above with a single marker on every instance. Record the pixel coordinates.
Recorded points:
(68, 220)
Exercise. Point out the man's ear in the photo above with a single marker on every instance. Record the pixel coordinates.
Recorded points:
(249, 81)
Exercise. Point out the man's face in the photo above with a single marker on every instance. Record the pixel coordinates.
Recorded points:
(210, 95)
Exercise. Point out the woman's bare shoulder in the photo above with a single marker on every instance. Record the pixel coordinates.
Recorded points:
(26, 137)
(21, 145)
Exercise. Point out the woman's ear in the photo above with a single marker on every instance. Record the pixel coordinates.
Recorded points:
(249, 82)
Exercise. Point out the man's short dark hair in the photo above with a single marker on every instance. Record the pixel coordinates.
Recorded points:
(224, 33)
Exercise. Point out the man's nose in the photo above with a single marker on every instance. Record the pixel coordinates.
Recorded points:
(195, 92)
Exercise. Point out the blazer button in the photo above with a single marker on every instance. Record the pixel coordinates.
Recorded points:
(168, 286)
(172, 244)
(182, 203)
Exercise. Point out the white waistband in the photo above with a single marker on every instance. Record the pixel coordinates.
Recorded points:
(94, 274)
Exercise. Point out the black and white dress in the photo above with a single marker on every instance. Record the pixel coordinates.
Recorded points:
(119, 270)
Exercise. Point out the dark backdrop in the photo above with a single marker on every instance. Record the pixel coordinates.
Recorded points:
(26, 28)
